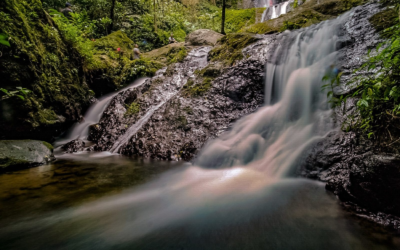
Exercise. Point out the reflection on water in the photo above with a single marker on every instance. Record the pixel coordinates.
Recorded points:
(69, 181)
(58, 207)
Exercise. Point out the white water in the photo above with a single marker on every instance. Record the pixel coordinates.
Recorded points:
(244, 171)
(277, 10)
(93, 115)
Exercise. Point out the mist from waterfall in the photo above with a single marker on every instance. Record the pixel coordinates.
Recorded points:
(237, 173)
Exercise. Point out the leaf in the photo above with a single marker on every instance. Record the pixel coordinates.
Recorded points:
(370, 134)
(20, 96)
(370, 92)
(4, 40)
(4, 91)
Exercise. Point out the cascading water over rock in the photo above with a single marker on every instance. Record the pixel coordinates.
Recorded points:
(93, 115)
(274, 10)
(240, 177)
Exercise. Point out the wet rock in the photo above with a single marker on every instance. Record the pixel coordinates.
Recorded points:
(74, 146)
(203, 37)
(24, 153)
(365, 179)
(359, 175)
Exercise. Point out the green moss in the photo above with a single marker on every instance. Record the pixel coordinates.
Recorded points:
(177, 54)
(116, 40)
(169, 54)
(48, 145)
(211, 70)
(311, 12)
(337, 7)
(42, 60)
(230, 47)
(44, 117)
(193, 90)
(132, 109)
(384, 19)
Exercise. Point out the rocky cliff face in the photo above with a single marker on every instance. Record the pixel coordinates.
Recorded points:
(203, 103)
(364, 178)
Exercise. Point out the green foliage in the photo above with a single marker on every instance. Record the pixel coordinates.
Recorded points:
(20, 92)
(379, 92)
(230, 49)
(287, 25)
(384, 20)
(76, 31)
(295, 4)
(132, 109)
(4, 40)
(177, 54)
(192, 89)
(140, 68)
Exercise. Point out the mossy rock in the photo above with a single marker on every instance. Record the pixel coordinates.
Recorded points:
(114, 41)
(309, 13)
(168, 54)
(132, 109)
(24, 153)
(229, 48)
(41, 60)
(336, 7)
(384, 19)
(198, 88)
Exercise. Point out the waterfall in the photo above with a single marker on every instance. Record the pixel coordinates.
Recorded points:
(237, 177)
(93, 115)
(274, 11)
(296, 111)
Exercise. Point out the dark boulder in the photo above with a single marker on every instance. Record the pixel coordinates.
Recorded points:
(74, 146)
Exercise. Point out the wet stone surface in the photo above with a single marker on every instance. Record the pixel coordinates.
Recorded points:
(365, 179)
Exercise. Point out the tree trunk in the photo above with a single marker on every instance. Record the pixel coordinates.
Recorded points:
(112, 15)
(155, 21)
(223, 17)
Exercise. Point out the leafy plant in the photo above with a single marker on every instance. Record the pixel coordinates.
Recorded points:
(378, 92)
(20, 92)
(4, 40)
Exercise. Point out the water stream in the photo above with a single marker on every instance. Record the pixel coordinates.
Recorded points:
(273, 11)
(240, 193)
(93, 116)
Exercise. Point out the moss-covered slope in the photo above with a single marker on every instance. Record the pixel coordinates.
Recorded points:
(40, 60)
(311, 12)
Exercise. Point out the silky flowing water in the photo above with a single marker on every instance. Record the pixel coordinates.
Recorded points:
(240, 193)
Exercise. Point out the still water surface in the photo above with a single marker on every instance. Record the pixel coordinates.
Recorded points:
(93, 201)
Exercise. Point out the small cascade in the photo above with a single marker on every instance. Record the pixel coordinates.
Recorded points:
(196, 59)
(93, 115)
(275, 10)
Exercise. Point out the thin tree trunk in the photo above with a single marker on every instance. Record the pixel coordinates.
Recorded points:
(155, 21)
(223, 17)
(112, 15)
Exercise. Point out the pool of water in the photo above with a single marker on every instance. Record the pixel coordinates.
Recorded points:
(105, 201)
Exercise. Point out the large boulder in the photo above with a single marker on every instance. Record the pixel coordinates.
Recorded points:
(24, 153)
(203, 37)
